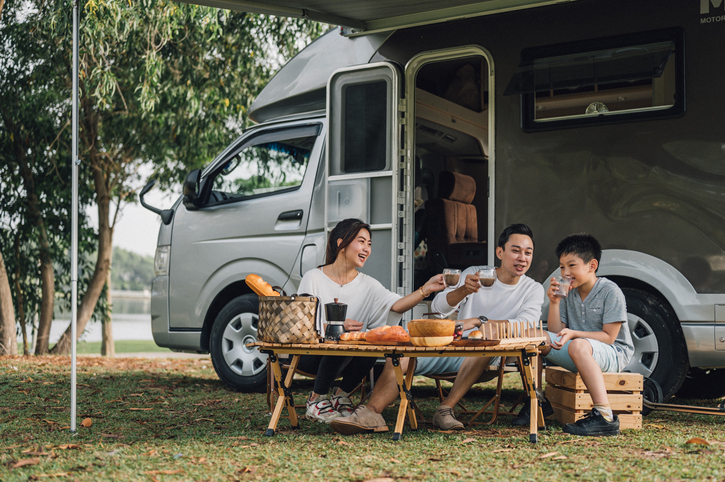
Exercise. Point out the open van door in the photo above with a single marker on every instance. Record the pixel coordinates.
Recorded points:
(366, 165)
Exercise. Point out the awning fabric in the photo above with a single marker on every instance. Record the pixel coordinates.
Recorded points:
(376, 15)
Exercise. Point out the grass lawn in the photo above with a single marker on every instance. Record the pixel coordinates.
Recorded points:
(172, 420)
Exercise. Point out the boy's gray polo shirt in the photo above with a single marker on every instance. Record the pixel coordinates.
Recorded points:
(604, 304)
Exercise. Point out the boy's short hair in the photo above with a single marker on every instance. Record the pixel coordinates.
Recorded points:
(583, 245)
(515, 229)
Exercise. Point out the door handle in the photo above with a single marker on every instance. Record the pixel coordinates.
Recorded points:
(290, 215)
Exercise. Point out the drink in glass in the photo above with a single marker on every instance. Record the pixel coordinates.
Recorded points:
(564, 283)
(451, 276)
(487, 276)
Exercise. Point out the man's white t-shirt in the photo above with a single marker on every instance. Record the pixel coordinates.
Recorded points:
(519, 302)
(368, 301)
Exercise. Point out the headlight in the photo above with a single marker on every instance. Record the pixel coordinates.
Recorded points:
(161, 261)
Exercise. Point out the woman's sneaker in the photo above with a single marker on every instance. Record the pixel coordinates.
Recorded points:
(321, 409)
(342, 404)
(593, 425)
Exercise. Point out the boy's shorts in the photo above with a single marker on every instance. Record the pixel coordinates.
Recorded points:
(605, 355)
(431, 365)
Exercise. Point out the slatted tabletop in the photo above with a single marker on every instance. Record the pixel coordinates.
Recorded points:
(524, 348)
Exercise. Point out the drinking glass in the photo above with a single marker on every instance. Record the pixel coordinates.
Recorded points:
(487, 276)
(564, 283)
(451, 276)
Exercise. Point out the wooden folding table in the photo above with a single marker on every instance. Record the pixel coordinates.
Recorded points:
(524, 349)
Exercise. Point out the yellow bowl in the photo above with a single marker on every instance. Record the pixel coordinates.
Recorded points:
(432, 327)
(431, 340)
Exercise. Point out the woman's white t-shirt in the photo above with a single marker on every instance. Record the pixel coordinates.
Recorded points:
(519, 302)
(368, 301)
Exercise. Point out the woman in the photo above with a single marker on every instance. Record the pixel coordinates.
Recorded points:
(369, 305)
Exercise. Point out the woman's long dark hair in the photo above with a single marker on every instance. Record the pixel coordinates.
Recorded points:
(346, 230)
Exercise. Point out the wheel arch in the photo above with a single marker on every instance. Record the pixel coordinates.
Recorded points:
(226, 295)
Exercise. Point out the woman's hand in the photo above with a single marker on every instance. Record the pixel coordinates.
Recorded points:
(434, 284)
(352, 325)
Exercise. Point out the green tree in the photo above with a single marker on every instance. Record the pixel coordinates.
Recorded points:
(160, 82)
(131, 271)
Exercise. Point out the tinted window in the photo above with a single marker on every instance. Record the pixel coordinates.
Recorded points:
(601, 81)
(365, 125)
(262, 169)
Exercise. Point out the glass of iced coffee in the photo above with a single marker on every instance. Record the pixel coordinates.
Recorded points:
(564, 283)
(487, 276)
(451, 277)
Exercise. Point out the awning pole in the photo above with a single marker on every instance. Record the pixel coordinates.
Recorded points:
(74, 225)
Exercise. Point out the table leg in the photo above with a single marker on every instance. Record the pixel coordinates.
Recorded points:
(530, 388)
(284, 399)
(403, 409)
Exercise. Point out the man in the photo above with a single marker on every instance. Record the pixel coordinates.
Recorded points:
(513, 297)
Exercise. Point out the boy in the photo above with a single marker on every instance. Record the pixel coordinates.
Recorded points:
(588, 329)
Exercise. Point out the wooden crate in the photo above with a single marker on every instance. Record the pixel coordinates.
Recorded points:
(571, 400)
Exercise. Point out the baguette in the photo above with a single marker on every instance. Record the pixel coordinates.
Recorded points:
(387, 333)
(259, 286)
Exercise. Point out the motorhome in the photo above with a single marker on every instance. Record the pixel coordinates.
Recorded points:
(579, 116)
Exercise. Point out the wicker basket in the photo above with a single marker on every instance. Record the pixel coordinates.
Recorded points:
(287, 319)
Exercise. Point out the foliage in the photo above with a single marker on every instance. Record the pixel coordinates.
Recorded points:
(160, 82)
(131, 271)
(171, 419)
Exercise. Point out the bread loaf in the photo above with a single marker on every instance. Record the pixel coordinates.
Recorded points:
(259, 286)
(475, 335)
(353, 336)
(387, 334)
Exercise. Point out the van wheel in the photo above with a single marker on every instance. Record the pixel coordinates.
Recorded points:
(240, 368)
(703, 384)
(660, 352)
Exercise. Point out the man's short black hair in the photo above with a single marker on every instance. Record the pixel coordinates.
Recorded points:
(515, 229)
(583, 245)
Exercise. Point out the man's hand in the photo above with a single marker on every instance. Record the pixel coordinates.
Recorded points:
(472, 284)
(352, 325)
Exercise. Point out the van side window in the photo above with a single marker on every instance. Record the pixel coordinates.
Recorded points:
(602, 81)
(365, 125)
(262, 169)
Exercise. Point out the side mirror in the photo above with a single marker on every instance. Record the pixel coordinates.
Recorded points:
(191, 190)
(166, 215)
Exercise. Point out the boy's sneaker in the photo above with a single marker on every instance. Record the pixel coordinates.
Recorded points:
(444, 419)
(523, 417)
(593, 425)
(321, 409)
(363, 420)
(342, 404)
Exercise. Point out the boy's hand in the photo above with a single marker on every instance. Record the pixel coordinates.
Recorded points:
(550, 293)
(564, 335)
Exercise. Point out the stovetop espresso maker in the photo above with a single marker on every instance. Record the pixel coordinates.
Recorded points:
(335, 313)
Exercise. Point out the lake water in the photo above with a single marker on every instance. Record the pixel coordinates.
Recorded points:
(131, 320)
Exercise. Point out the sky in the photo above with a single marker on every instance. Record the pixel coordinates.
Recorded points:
(137, 228)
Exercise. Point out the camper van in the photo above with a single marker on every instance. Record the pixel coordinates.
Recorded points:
(583, 116)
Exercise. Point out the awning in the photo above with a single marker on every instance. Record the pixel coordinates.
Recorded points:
(592, 68)
(376, 15)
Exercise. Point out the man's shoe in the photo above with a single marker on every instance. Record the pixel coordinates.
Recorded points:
(321, 409)
(523, 417)
(342, 404)
(362, 420)
(444, 419)
(593, 425)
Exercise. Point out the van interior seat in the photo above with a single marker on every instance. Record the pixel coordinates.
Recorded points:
(452, 232)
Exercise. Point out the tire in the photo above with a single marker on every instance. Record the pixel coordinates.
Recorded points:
(703, 384)
(660, 351)
(651, 392)
(240, 368)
